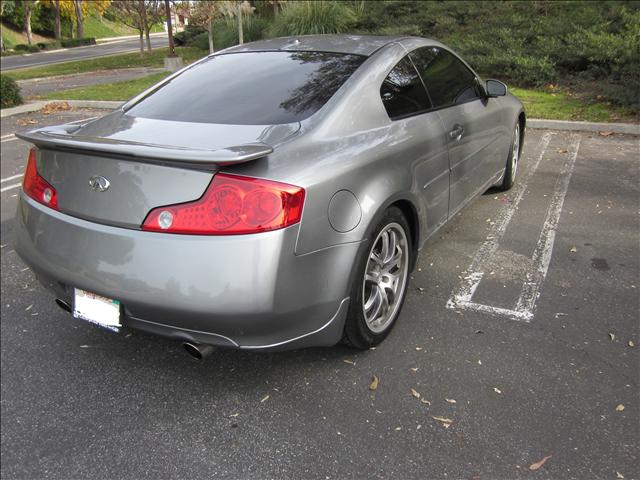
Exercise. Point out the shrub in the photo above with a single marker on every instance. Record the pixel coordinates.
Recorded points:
(313, 17)
(9, 92)
(23, 47)
(48, 45)
(187, 35)
(78, 42)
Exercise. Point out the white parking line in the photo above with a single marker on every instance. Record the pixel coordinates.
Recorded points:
(10, 187)
(13, 177)
(8, 138)
(462, 297)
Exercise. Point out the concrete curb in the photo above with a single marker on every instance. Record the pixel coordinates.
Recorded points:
(35, 106)
(627, 128)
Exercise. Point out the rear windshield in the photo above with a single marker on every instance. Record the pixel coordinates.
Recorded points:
(253, 88)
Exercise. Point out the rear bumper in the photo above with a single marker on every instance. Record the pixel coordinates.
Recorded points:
(247, 291)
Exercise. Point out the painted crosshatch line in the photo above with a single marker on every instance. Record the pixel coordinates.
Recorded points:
(524, 310)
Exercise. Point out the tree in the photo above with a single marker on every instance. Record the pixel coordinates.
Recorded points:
(28, 10)
(3, 4)
(236, 8)
(152, 15)
(205, 13)
(132, 13)
(77, 10)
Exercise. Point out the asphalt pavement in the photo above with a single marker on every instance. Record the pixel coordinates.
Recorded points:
(518, 342)
(78, 53)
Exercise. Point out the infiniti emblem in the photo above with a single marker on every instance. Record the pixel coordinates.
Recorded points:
(98, 183)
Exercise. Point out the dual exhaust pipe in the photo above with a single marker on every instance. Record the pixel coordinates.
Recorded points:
(196, 350)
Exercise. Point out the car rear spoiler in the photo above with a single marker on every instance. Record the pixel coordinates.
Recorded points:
(61, 137)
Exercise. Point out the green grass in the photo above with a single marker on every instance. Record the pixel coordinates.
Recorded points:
(108, 91)
(13, 37)
(99, 27)
(561, 106)
(127, 60)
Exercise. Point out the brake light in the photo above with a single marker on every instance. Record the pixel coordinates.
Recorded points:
(231, 205)
(37, 187)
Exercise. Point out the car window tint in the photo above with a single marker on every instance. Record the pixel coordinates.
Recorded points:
(253, 88)
(402, 92)
(447, 79)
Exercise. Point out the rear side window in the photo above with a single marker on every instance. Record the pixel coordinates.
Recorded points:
(402, 91)
(253, 88)
(447, 79)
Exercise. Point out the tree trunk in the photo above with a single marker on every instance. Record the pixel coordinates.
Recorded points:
(145, 23)
(210, 30)
(79, 18)
(57, 28)
(140, 30)
(27, 23)
(240, 32)
(172, 48)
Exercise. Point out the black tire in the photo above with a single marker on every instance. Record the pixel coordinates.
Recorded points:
(511, 169)
(357, 333)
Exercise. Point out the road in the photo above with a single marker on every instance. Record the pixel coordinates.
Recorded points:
(559, 380)
(78, 53)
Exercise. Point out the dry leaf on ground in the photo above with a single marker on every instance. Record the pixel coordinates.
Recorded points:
(498, 391)
(415, 394)
(450, 400)
(605, 134)
(619, 475)
(415, 369)
(620, 408)
(446, 422)
(537, 465)
(265, 399)
(55, 107)
(612, 337)
(350, 362)
(375, 381)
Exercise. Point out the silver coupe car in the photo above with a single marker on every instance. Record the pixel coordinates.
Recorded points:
(274, 195)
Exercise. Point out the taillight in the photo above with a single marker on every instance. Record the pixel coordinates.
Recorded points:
(232, 205)
(37, 187)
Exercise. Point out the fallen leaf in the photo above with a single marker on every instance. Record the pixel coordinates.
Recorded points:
(424, 400)
(375, 381)
(28, 308)
(631, 344)
(479, 362)
(265, 399)
(573, 249)
(619, 475)
(560, 314)
(55, 107)
(537, 465)
(415, 394)
(415, 369)
(562, 150)
(234, 415)
(499, 392)
(420, 289)
(418, 349)
(350, 362)
(479, 331)
(605, 134)
(620, 408)
(446, 422)
(612, 337)
(398, 428)
(450, 400)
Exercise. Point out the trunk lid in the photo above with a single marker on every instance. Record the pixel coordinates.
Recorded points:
(147, 163)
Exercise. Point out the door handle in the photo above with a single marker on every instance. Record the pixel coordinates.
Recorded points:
(457, 132)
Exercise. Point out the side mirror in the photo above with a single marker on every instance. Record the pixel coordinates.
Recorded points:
(495, 88)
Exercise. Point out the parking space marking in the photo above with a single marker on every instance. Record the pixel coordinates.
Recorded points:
(10, 187)
(8, 138)
(13, 177)
(462, 297)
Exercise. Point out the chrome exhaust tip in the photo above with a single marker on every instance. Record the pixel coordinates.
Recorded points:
(63, 305)
(198, 351)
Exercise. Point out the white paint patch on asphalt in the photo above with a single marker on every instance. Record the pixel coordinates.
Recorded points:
(8, 138)
(462, 297)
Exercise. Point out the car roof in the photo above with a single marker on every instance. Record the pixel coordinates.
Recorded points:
(353, 44)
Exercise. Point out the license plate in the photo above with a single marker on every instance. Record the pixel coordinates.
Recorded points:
(97, 309)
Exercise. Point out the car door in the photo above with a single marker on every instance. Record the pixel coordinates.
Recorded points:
(421, 133)
(471, 123)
